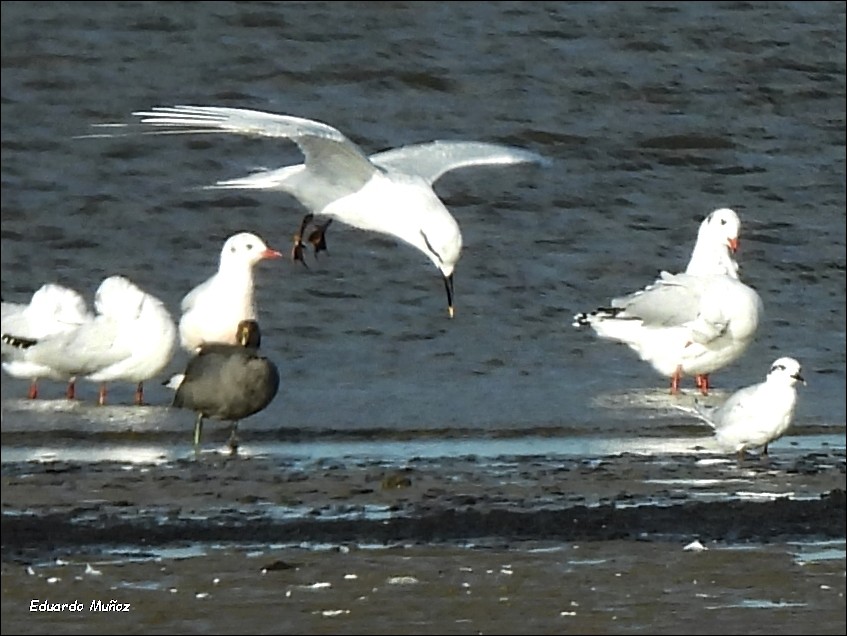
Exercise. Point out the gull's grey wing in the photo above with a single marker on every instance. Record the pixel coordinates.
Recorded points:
(83, 351)
(431, 160)
(671, 301)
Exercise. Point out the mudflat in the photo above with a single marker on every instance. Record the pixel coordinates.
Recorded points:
(683, 543)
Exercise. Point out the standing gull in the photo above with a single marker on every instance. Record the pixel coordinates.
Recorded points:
(388, 192)
(227, 381)
(52, 310)
(212, 311)
(756, 415)
(144, 337)
(692, 323)
(131, 339)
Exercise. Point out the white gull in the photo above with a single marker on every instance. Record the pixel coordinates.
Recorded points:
(692, 323)
(131, 339)
(212, 311)
(52, 310)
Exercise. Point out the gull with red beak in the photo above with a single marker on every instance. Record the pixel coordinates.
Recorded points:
(212, 311)
(717, 242)
(692, 323)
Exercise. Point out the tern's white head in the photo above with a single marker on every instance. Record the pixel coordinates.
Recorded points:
(786, 371)
(441, 240)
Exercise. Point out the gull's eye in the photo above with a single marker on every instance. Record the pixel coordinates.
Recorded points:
(249, 246)
(723, 221)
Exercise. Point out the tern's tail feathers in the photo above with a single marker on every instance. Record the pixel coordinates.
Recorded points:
(699, 411)
(260, 180)
(704, 413)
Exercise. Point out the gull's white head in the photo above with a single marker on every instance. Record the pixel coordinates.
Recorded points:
(118, 297)
(785, 371)
(717, 241)
(55, 302)
(722, 228)
(245, 250)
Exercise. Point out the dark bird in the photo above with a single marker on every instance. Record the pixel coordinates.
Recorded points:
(227, 381)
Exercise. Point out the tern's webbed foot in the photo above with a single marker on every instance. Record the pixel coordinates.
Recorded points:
(318, 238)
(299, 247)
(298, 250)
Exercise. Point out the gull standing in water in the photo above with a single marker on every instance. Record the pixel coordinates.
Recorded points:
(756, 415)
(212, 311)
(388, 192)
(52, 310)
(692, 323)
(227, 381)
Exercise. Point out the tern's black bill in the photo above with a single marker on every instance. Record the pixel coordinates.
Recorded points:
(448, 285)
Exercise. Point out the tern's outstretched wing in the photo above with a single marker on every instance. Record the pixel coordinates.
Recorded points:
(431, 160)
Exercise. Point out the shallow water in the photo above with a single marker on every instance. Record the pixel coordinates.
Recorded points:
(652, 115)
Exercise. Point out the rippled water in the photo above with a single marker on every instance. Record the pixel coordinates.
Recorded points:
(652, 114)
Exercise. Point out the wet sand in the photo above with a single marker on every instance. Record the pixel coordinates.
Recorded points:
(515, 544)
